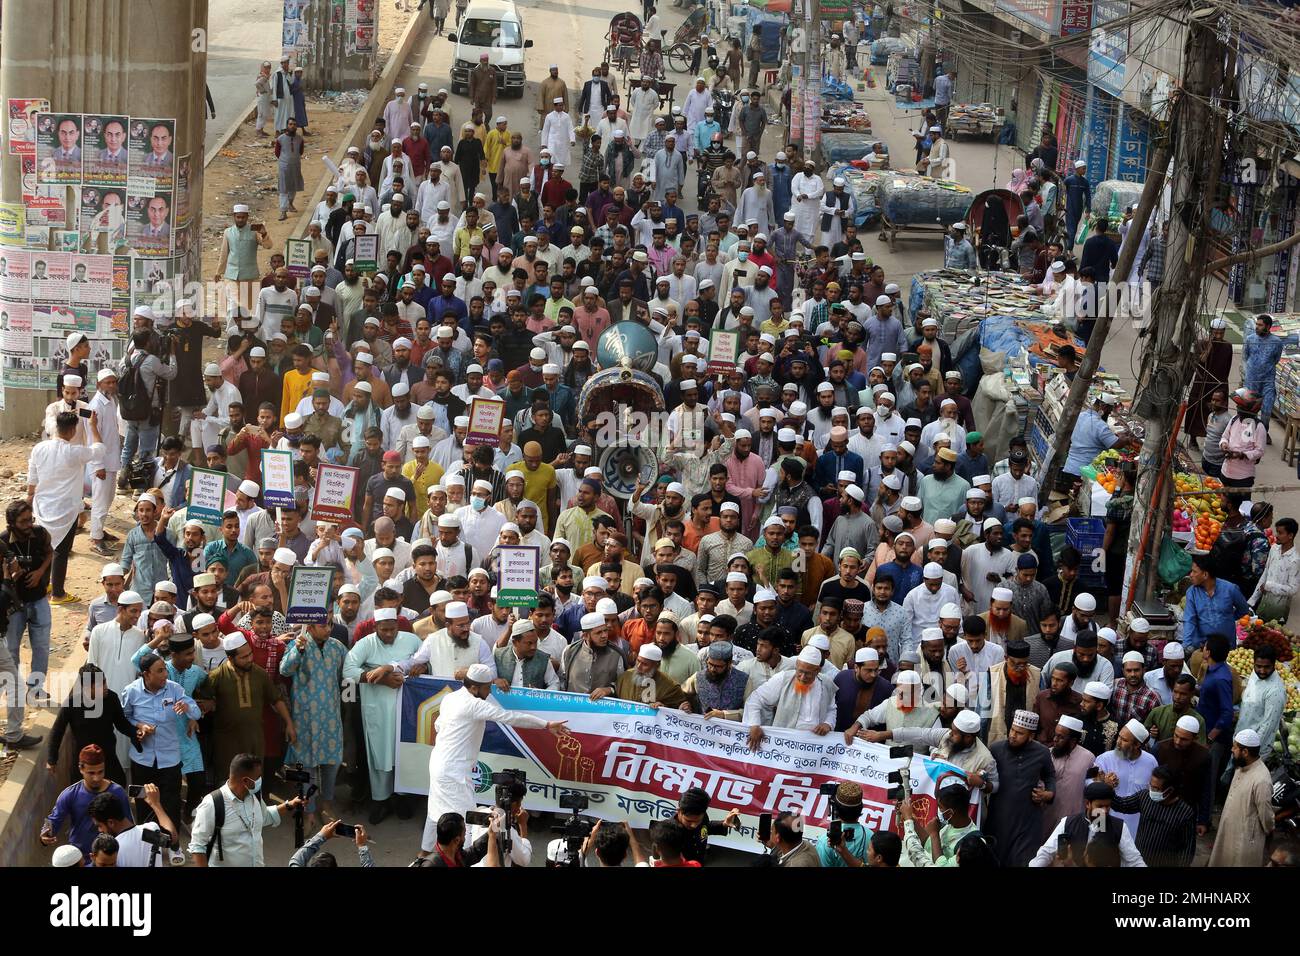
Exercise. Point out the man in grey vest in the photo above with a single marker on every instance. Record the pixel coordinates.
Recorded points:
(237, 266)
(520, 665)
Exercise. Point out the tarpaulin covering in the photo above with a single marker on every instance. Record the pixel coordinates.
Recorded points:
(862, 185)
(910, 200)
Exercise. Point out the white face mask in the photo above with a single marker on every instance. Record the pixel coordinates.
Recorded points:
(1157, 796)
(883, 411)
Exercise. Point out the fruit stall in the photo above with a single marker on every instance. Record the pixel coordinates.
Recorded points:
(1252, 633)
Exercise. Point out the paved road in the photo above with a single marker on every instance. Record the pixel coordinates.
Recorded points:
(242, 33)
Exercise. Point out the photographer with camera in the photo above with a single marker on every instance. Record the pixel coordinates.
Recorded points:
(462, 720)
(231, 818)
(788, 847)
(510, 790)
(140, 404)
(693, 815)
(449, 849)
(309, 853)
(611, 842)
(846, 840)
(137, 846)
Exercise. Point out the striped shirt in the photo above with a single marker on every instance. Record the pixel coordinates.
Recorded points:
(1166, 833)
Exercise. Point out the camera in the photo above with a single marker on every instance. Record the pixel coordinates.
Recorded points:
(135, 791)
(345, 830)
(577, 802)
(159, 838)
(575, 829)
(295, 774)
(478, 818)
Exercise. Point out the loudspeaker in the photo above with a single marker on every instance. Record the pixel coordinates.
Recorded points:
(623, 464)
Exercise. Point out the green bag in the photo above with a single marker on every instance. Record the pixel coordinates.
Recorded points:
(1174, 563)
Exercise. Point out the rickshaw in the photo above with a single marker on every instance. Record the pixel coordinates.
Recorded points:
(681, 50)
(623, 43)
(991, 216)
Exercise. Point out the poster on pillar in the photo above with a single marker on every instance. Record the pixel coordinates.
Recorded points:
(49, 278)
(92, 281)
(359, 27)
(58, 148)
(105, 160)
(44, 205)
(103, 219)
(22, 124)
(15, 275)
(152, 164)
(295, 40)
(149, 224)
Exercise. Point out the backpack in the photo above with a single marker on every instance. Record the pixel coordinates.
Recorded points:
(218, 821)
(135, 402)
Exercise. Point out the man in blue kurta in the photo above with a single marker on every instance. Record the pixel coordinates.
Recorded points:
(1259, 359)
(182, 669)
(1078, 201)
(1213, 605)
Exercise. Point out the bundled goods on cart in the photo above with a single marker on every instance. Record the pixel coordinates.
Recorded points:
(953, 298)
(882, 49)
(834, 90)
(910, 200)
(1111, 197)
(1288, 386)
(846, 147)
(839, 117)
(862, 185)
(972, 119)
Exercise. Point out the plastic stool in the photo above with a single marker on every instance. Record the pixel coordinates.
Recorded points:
(1291, 443)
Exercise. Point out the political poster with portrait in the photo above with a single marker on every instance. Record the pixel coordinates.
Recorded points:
(65, 240)
(182, 203)
(151, 155)
(16, 328)
(105, 159)
(15, 275)
(310, 593)
(44, 204)
(91, 283)
(49, 278)
(58, 148)
(103, 220)
(22, 123)
(149, 224)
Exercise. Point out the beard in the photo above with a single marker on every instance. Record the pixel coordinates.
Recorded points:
(1086, 670)
(670, 649)
(642, 680)
(715, 678)
(460, 642)
(1063, 750)
(800, 688)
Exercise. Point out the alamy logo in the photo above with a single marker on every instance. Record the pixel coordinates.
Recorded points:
(78, 910)
(1246, 171)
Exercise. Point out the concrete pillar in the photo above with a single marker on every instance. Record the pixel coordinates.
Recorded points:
(328, 63)
(128, 57)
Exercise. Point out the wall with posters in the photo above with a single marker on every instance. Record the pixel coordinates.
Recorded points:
(333, 40)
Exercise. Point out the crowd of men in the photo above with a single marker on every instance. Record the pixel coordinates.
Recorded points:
(826, 546)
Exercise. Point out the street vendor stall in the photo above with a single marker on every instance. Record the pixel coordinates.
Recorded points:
(974, 119)
(862, 184)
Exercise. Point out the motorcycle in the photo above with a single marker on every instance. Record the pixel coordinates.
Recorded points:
(1286, 791)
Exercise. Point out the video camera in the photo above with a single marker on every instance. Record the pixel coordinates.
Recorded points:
(903, 776)
(834, 832)
(159, 838)
(295, 774)
(575, 828)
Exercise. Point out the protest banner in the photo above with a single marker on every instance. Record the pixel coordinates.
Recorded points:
(335, 487)
(310, 594)
(297, 257)
(365, 253)
(518, 578)
(207, 498)
(485, 417)
(277, 478)
(634, 762)
(723, 347)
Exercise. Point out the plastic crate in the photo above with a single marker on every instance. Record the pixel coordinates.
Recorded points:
(1086, 535)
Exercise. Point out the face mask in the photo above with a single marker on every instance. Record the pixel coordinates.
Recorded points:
(883, 411)
(256, 787)
(478, 504)
(1158, 796)
(742, 256)
(546, 162)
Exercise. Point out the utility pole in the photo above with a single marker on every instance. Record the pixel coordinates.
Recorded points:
(1170, 357)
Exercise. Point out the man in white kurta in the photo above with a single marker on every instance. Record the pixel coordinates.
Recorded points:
(799, 699)
(644, 102)
(103, 490)
(451, 651)
(397, 112)
(207, 424)
(1128, 767)
(806, 190)
(112, 644)
(56, 473)
(557, 134)
(480, 529)
(1248, 817)
(984, 560)
(369, 664)
(458, 735)
(756, 205)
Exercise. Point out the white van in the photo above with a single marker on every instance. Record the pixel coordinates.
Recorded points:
(493, 27)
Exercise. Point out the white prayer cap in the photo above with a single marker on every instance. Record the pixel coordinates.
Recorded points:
(1134, 657)
(457, 610)
(1085, 602)
(285, 556)
(381, 553)
(449, 521)
(1027, 500)
(67, 856)
(238, 208)
(1079, 164)
(481, 485)
(147, 498)
(439, 597)
(593, 472)
(934, 571)
(316, 376)
(893, 481)
(479, 674)
(606, 606)
(764, 594)
(910, 503)
(346, 589)
(968, 722)
(1108, 635)
(593, 620)
(548, 369)
(1218, 324)
(846, 476)
(798, 410)
(978, 494)
(957, 693)
(593, 581)
(1139, 624)
(1173, 652)
(1139, 732)
(908, 447)
(650, 651)
(907, 677)
(74, 381)
(1247, 738)
(950, 612)
(294, 420)
(1072, 723)
(257, 352)
(820, 641)
(1097, 690)
(810, 655)
(839, 181)
(1002, 594)
(396, 493)
(229, 642)
(935, 544)
(729, 506)
(129, 597)
(774, 522)
(743, 433)
(249, 487)
(460, 421)
(737, 577)
(866, 655)
(1189, 723)
(1058, 266)
(885, 300)
(419, 441)
(931, 634)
